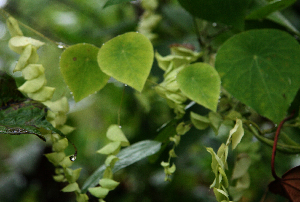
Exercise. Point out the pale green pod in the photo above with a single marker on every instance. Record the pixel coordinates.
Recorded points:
(60, 105)
(23, 60)
(110, 148)
(33, 85)
(32, 71)
(45, 93)
(99, 192)
(55, 157)
(13, 27)
(71, 187)
(18, 43)
(108, 183)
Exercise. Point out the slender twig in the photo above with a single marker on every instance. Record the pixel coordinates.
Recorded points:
(119, 111)
(201, 44)
(275, 144)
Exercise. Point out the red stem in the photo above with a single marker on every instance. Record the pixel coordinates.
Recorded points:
(275, 144)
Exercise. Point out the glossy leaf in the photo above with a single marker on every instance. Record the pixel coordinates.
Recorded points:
(230, 12)
(128, 58)
(261, 68)
(79, 67)
(114, 2)
(269, 7)
(201, 83)
(127, 156)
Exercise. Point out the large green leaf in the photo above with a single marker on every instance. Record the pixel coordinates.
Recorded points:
(127, 156)
(200, 82)
(264, 8)
(128, 58)
(230, 12)
(79, 67)
(261, 68)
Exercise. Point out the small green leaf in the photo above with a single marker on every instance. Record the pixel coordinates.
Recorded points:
(115, 133)
(200, 82)
(99, 192)
(60, 145)
(108, 183)
(128, 58)
(127, 156)
(261, 68)
(55, 157)
(79, 67)
(200, 122)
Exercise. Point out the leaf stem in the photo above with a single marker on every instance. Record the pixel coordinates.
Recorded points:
(119, 111)
(275, 144)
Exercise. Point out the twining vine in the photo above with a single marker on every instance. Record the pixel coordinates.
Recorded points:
(190, 77)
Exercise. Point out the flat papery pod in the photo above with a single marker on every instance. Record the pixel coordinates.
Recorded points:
(60, 145)
(172, 153)
(33, 85)
(175, 139)
(236, 134)
(108, 173)
(59, 178)
(60, 119)
(32, 71)
(108, 183)
(182, 128)
(65, 129)
(215, 121)
(13, 27)
(176, 98)
(165, 164)
(182, 50)
(56, 157)
(200, 122)
(171, 62)
(171, 169)
(221, 195)
(24, 57)
(72, 175)
(111, 160)
(60, 105)
(18, 43)
(288, 186)
(99, 192)
(115, 133)
(241, 166)
(66, 162)
(71, 187)
(110, 148)
(82, 198)
(45, 93)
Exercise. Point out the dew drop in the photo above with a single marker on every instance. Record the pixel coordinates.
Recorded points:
(120, 126)
(73, 158)
(214, 24)
(125, 84)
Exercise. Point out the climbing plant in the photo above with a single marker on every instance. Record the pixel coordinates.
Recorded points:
(239, 75)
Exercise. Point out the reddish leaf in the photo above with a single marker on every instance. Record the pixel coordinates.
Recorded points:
(288, 186)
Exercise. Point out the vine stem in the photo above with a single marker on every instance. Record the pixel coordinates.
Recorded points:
(6, 15)
(119, 111)
(275, 144)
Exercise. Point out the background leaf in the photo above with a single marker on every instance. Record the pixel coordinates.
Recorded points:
(127, 156)
(261, 68)
(79, 67)
(114, 2)
(201, 83)
(230, 12)
(128, 58)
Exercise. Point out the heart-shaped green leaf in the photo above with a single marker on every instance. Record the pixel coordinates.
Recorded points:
(200, 82)
(79, 67)
(128, 58)
(261, 68)
(229, 12)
